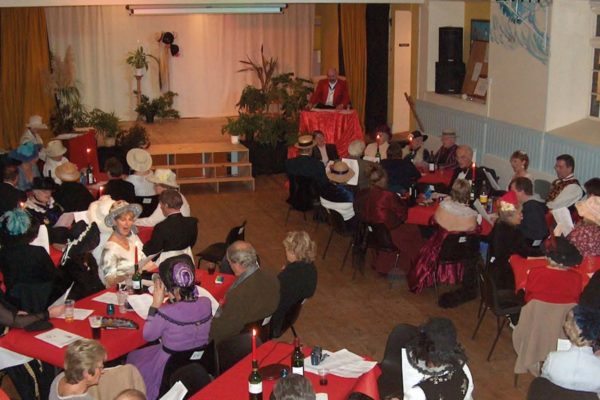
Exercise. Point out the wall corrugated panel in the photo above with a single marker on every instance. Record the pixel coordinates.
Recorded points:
(587, 157)
(503, 139)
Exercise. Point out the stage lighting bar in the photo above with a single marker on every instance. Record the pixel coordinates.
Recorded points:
(174, 9)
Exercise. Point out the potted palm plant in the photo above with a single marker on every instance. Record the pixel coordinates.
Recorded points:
(106, 126)
(161, 107)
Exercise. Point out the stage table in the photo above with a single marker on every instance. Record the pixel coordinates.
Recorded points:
(443, 176)
(340, 127)
(521, 266)
(233, 384)
(421, 215)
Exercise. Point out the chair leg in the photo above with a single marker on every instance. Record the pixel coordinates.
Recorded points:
(347, 251)
(479, 323)
(393, 271)
(288, 215)
(294, 331)
(328, 243)
(481, 305)
(501, 321)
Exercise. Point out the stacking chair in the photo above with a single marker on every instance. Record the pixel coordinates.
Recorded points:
(543, 389)
(289, 319)
(216, 251)
(541, 187)
(339, 226)
(460, 247)
(379, 238)
(303, 195)
(193, 376)
(390, 380)
(230, 351)
(501, 303)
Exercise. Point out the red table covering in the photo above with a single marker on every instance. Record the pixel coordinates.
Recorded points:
(77, 151)
(209, 282)
(339, 127)
(421, 215)
(440, 176)
(233, 384)
(521, 267)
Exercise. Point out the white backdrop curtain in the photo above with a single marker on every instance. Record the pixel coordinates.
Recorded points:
(204, 74)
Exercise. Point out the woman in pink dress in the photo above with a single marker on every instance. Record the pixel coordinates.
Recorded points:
(586, 234)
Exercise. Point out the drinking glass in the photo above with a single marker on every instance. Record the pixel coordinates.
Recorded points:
(96, 325)
(69, 310)
(322, 376)
(121, 299)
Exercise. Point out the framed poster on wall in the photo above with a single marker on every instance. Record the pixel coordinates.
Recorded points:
(480, 30)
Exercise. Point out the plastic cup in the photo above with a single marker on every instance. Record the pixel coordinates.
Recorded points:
(322, 376)
(69, 310)
(121, 299)
(96, 325)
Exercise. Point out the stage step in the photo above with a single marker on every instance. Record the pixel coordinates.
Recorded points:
(204, 165)
(216, 181)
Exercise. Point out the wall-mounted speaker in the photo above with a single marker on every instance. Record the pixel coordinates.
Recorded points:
(449, 77)
(451, 44)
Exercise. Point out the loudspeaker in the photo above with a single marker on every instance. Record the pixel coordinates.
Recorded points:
(451, 44)
(449, 77)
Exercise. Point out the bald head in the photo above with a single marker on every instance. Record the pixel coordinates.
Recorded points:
(332, 75)
(464, 156)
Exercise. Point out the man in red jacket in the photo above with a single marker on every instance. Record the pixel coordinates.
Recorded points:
(330, 92)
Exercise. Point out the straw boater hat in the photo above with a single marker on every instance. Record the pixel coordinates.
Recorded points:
(26, 152)
(119, 207)
(67, 172)
(98, 210)
(449, 132)
(340, 172)
(589, 209)
(164, 177)
(139, 160)
(55, 148)
(35, 122)
(305, 142)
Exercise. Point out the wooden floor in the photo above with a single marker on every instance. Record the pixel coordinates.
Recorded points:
(357, 315)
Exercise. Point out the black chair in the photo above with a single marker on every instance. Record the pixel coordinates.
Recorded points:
(180, 359)
(148, 203)
(543, 389)
(500, 302)
(379, 238)
(193, 376)
(262, 326)
(216, 251)
(31, 297)
(390, 380)
(541, 187)
(289, 319)
(303, 195)
(339, 226)
(458, 248)
(230, 351)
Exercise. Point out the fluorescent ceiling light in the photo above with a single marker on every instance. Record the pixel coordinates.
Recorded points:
(177, 9)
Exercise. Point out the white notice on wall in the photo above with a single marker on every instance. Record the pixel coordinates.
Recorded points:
(481, 87)
(476, 71)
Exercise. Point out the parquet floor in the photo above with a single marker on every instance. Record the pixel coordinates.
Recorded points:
(358, 314)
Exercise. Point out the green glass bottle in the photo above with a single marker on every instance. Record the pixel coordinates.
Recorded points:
(255, 389)
(378, 154)
(297, 358)
(136, 280)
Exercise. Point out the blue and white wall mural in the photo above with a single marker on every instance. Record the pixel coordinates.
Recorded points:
(523, 23)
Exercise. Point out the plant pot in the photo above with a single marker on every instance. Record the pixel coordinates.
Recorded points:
(149, 118)
(235, 139)
(139, 72)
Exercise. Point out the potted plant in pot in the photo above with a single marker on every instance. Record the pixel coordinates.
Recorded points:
(161, 107)
(138, 60)
(134, 137)
(106, 126)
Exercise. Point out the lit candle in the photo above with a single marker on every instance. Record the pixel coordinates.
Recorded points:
(473, 173)
(100, 191)
(88, 151)
(254, 344)
(136, 255)
(378, 139)
(22, 204)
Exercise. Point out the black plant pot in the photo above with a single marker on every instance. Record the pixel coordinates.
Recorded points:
(149, 118)
(266, 159)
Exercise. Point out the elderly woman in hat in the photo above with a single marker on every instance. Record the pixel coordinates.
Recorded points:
(445, 157)
(356, 150)
(400, 171)
(31, 134)
(27, 154)
(586, 234)
(71, 195)
(414, 150)
(123, 246)
(383, 134)
(163, 179)
(335, 195)
(54, 157)
(140, 162)
(41, 206)
(577, 368)
(182, 324)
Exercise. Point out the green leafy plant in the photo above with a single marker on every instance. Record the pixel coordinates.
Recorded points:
(138, 58)
(105, 123)
(134, 137)
(161, 107)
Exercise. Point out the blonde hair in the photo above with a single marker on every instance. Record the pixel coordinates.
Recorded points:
(300, 244)
(81, 356)
(573, 332)
(506, 214)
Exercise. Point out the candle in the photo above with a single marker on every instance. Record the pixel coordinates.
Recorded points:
(254, 344)
(378, 139)
(136, 255)
(88, 151)
(473, 173)
(22, 204)
(100, 191)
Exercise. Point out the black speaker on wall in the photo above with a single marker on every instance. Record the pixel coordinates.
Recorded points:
(449, 77)
(450, 44)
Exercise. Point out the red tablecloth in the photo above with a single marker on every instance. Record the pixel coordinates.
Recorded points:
(55, 255)
(421, 215)
(209, 283)
(440, 176)
(521, 267)
(339, 127)
(77, 151)
(233, 384)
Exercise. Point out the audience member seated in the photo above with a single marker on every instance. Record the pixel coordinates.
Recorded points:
(322, 151)
(590, 297)
(304, 164)
(356, 150)
(383, 134)
(445, 157)
(183, 323)
(577, 368)
(401, 172)
(54, 157)
(335, 195)
(117, 187)
(97, 213)
(298, 278)
(556, 282)
(565, 190)
(253, 296)
(330, 93)
(85, 378)
(24, 265)
(453, 215)
(131, 394)
(592, 187)
(505, 240)
(586, 233)
(27, 154)
(71, 195)
(118, 256)
(163, 179)
(415, 151)
(176, 234)
(293, 387)
(464, 157)
(78, 265)
(10, 196)
(378, 205)
(42, 207)
(31, 133)
(519, 161)
(533, 225)
(436, 364)
(140, 162)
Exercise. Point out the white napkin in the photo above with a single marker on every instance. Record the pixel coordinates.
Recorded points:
(79, 314)
(107, 297)
(342, 363)
(140, 304)
(177, 392)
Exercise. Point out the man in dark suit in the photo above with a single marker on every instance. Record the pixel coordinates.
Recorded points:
(330, 93)
(117, 187)
(324, 152)
(464, 157)
(305, 165)
(10, 196)
(253, 296)
(176, 232)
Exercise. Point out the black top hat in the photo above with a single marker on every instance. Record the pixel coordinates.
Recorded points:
(418, 134)
(45, 183)
(563, 252)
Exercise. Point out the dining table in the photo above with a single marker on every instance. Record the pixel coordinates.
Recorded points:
(233, 384)
(439, 176)
(421, 215)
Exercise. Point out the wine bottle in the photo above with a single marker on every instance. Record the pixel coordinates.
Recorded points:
(255, 389)
(89, 174)
(136, 280)
(297, 358)
(472, 195)
(484, 194)
(378, 154)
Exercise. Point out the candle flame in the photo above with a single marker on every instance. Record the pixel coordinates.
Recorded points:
(22, 204)
(473, 165)
(253, 332)
(88, 150)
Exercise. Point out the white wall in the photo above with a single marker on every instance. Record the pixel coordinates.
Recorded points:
(571, 59)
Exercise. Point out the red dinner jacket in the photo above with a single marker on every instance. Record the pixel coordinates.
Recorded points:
(340, 95)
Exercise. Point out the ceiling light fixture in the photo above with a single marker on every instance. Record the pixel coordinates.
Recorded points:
(178, 9)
